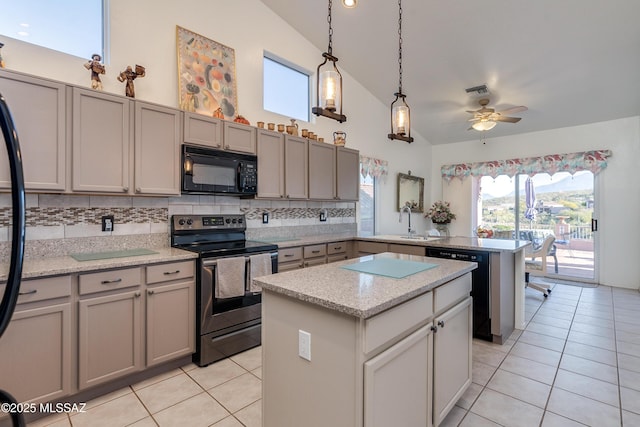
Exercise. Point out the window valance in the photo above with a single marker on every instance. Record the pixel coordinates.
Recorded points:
(374, 168)
(593, 161)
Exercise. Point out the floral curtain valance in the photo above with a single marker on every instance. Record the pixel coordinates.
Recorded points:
(375, 168)
(593, 161)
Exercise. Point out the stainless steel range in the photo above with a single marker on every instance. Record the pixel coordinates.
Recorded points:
(228, 309)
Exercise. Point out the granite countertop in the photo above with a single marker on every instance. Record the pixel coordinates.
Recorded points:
(42, 267)
(465, 243)
(362, 294)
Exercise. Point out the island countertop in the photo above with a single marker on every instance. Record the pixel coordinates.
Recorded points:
(362, 294)
(464, 243)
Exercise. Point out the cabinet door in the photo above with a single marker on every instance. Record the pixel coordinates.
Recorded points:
(452, 358)
(239, 137)
(322, 171)
(35, 355)
(101, 142)
(347, 173)
(406, 249)
(170, 322)
(397, 383)
(296, 160)
(202, 130)
(109, 337)
(270, 164)
(157, 150)
(38, 109)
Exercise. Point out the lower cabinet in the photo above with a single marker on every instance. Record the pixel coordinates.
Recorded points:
(387, 373)
(109, 337)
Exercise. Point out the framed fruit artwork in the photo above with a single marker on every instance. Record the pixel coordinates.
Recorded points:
(206, 75)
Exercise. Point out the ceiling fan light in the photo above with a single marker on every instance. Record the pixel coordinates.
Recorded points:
(349, 4)
(483, 125)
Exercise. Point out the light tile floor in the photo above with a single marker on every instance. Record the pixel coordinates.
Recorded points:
(577, 363)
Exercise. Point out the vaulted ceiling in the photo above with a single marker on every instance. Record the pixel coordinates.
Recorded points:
(570, 62)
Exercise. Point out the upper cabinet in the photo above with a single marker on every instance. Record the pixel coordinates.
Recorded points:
(322, 171)
(239, 137)
(347, 173)
(39, 113)
(100, 142)
(270, 164)
(157, 149)
(296, 167)
(202, 130)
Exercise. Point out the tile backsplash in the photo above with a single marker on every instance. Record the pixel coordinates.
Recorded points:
(62, 224)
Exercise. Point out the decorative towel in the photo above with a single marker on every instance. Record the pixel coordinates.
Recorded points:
(260, 266)
(230, 278)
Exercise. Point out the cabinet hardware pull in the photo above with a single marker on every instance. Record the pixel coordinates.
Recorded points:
(288, 255)
(150, 292)
(441, 323)
(138, 190)
(167, 273)
(125, 189)
(106, 282)
(137, 294)
(218, 145)
(315, 252)
(32, 291)
(301, 265)
(227, 146)
(434, 329)
(306, 264)
(337, 248)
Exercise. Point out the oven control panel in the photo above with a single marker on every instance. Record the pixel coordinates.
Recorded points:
(208, 222)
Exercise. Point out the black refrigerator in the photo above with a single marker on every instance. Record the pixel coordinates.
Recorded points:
(12, 289)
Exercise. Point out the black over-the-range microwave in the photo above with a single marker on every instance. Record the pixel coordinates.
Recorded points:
(210, 171)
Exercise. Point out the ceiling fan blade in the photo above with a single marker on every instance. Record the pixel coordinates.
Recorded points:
(513, 110)
(506, 119)
(471, 111)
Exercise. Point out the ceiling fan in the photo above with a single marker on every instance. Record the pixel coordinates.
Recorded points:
(486, 118)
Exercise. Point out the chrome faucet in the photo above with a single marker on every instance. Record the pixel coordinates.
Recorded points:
(406, 208)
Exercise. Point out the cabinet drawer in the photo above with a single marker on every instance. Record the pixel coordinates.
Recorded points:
(337, 257)
(315, 251)
(42, 289)
(310, 262)
(395, 321)
(289, 254)
(336, 248)
(407, 249)
(172, 271)
(288, 266)
(109, 280)
(451, 292)
(372, 247)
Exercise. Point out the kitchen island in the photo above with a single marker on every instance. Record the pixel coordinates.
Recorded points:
(343, 346)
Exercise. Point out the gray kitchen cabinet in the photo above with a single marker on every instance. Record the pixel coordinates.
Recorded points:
(387, 373)
(170, 311)
(202, 130)
(239, 137)
(35, 355)
(39, 114)
(296, 167)
(406, 249)
(315, 255)
(157, 149)
(271, 164)
(338, 251)
(369, 248)
(347, 174)
(101, 141)
(109, 325)
(290, 259)
(322, 171)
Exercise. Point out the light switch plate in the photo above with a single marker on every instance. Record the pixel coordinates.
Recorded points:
(304, 345)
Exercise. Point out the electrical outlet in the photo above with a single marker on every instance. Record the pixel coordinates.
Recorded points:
(304, 345)
(265, 217)
(323, 216)
(108, 223)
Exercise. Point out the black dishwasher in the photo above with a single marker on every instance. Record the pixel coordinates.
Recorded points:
(480, 287)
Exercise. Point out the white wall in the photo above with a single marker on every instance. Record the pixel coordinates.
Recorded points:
(617, 187)
(144, 32)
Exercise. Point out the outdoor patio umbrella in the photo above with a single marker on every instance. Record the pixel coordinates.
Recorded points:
(530, 200)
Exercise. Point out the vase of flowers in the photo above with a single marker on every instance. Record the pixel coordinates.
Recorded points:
(441, 216)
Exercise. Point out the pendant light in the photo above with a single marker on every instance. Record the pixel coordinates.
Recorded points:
(329, 84)
(400, 111)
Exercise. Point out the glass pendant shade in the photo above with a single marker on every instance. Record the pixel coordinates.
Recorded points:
(400, 118)
(483, 125)
(349, 4)
(330, 82)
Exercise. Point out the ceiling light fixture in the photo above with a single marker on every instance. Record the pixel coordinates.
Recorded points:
(484, 124)
(329, 84)
(400, 111)
(349, 4)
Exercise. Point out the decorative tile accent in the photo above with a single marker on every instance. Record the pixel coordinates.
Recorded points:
(50, 216)
(297, 213)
